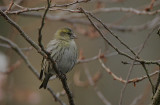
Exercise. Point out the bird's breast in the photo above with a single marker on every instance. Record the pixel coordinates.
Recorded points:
(68, 57)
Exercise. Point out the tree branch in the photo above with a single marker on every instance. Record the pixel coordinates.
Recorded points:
(156, 98)
(28, 39)
(33, 70)
(41, 27)
(59, 73)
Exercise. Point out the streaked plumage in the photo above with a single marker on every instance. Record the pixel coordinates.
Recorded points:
(63, 51)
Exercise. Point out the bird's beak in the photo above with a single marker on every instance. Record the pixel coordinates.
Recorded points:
(74, 36)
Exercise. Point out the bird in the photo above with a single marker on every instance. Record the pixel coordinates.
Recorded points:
(63, 50)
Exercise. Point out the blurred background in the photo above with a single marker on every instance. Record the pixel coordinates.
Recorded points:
(19, 86)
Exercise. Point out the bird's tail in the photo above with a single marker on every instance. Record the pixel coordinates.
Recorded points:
(45, 81)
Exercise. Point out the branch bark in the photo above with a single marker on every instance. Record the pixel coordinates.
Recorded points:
(156, 98)
(30, 41)
(33, 70)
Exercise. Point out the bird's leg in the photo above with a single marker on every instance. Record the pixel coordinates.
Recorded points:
(62, 75)
(41, 74)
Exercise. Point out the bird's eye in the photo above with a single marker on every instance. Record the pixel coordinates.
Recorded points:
(69, 33)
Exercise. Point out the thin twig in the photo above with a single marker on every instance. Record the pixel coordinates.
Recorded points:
(59, 73)
(144, 66)
(121, 53)
(67, 18)
(10, 6)
(113, 9)
(156, 98)
(103, 36)
(98, 92)
(103, 56)
(127, 10)
(113, 46)
(134, 80)
(25, 9)
(131, 68)
(33, 70)
(30, 41)
(136, 100)
(74, 2)
(127, 78)
(8, 46)
(4, 8)
(150, 7)
(41, 27)
(113, 34)
(158, 81)
(22, 33)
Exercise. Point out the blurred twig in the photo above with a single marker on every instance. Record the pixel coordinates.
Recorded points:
(97, 25)
(156, 98)
(27, 38)
(136, 100)
(22, 33)
(7, 46)
(10, 6)
(158, 81)
(34, 71)
(113, 46)
(91, 82)
(122, 53)
(137, 63)
(59, 73)
(25, 9)
(18, 50)
(134, 80)
(150, 7)
(86, 83)
(106, 27)
(67, 19)
(13, 66)
(132, 65)
(127, 10)
(41, 27)
(4, 8)
(113, 9)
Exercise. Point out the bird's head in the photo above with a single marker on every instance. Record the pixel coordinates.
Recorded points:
(65, 34)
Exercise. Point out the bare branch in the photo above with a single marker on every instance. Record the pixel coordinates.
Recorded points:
(113, 9)
(146, 25)
(33, 70)
(131, 68)
(136, 100)
(22, 33)
(158, 81)
(10, 6)
(156, 98)
(41, 27)
(4, 8)
(105, 26)
(8, 46)
(59, 73)
(25, 9)
(98, 92)
(113, 46)
(134, 80)
(127, 10)
(27, 38)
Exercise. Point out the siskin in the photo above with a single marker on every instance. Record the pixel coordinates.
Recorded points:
(63, 50)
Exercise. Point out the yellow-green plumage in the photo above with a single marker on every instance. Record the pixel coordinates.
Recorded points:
(63, 51)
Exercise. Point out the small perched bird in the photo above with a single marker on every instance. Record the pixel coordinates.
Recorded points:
(63, 50)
